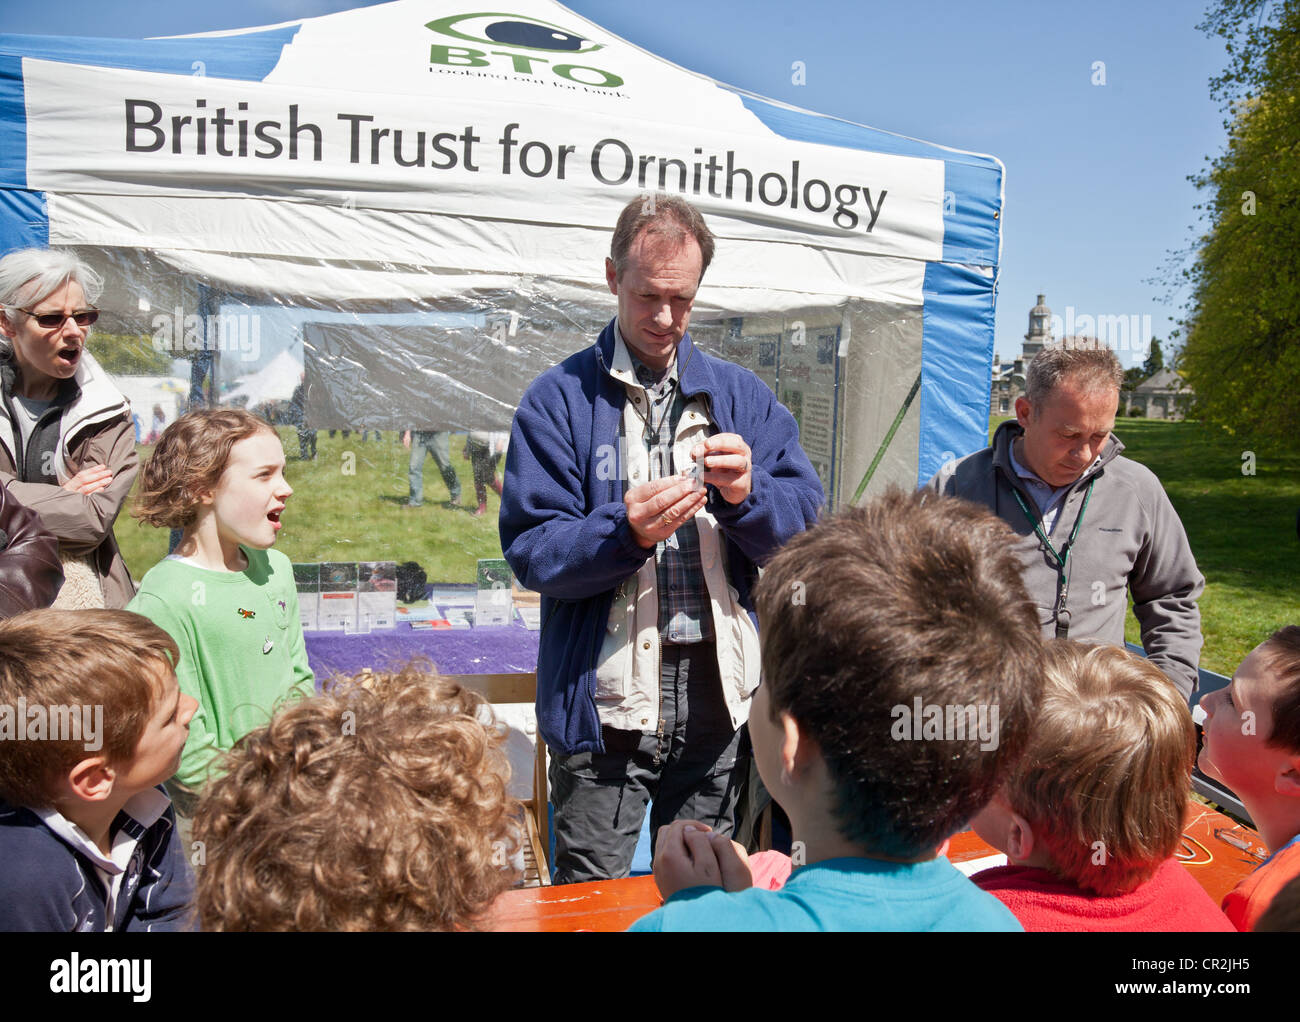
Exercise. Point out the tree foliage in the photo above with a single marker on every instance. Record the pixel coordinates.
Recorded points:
(129, 355)
(1155, 360)
(1242, 349)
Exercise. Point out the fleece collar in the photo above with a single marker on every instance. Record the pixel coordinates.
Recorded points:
(693, 366)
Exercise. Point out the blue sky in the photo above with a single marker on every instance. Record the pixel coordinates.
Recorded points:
(1096, 189)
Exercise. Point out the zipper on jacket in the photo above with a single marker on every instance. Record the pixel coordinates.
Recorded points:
(659, 674)
(591, 667)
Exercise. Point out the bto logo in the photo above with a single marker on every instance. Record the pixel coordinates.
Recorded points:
(527, 41)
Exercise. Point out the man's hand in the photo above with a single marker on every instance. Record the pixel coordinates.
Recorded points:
(656, 509)
(90, 480)
(406, 439)
(689, 855)
(727, 463)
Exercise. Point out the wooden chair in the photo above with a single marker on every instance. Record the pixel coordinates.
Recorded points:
(522, 688)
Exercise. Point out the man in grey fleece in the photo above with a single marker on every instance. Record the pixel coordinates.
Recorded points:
(1089, 523)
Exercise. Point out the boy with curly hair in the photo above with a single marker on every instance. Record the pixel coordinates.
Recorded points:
(380, 804)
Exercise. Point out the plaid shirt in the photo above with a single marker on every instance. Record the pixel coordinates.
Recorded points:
(685, 615)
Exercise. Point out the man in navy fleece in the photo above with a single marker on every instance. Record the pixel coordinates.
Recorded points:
(645, 482)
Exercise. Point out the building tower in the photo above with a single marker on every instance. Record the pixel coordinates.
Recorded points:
(1040, 329)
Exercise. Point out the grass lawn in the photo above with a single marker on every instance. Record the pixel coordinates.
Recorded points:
(347, 506)
(1242, 529)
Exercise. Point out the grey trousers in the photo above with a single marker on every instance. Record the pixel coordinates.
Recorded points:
(693, 766)
(439, 446)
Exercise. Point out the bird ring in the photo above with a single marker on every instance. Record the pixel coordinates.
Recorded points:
(667, 519)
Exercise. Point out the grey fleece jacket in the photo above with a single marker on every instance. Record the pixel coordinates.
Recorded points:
(1130, 537)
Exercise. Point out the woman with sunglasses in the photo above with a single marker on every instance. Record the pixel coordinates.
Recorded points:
(67, 445)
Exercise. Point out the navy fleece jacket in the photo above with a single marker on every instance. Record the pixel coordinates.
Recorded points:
(564, 526)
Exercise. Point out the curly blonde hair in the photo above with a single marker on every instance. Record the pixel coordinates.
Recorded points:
(380, 804)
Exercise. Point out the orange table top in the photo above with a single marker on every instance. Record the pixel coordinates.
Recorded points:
(603, 905)
(609, 905)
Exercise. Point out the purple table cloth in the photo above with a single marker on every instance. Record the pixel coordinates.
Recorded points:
(506, 650)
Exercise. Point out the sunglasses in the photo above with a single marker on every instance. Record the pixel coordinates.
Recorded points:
(49, 320)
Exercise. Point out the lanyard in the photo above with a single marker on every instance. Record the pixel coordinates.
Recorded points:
(1061, 557)
(652, 430)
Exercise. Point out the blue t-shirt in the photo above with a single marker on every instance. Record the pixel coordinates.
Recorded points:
(838, 895)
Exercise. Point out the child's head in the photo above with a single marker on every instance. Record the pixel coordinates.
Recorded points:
(381, 807)
(1102, 788)
(94, 697)
(874, 621)
(1251, 735)
(223, 459)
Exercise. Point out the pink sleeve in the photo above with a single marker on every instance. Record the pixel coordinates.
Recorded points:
(770, 870)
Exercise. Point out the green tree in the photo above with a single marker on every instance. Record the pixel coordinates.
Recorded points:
(129, 355)
(1242, 349)
(1155, 360)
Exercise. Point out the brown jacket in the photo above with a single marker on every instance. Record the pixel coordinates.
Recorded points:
(30, 570)
(98, 430)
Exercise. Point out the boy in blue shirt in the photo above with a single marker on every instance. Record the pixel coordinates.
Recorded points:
(92, 721)
(902, 668)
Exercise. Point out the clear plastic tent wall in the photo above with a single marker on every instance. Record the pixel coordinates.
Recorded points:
(407, 207)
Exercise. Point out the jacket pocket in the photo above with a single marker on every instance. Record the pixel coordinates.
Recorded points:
(612, 665)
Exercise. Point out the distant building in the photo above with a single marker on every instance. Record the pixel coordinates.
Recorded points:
(1009, 377)
(1164, 396)
(1008, 384)
(1040, 329)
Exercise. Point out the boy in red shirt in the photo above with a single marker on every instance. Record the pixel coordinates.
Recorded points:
(1252, 744)
(1093, 813)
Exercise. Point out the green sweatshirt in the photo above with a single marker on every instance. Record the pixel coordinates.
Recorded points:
(242, 651)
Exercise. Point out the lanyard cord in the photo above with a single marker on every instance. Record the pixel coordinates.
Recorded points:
(1061, 557)
(1036, 520)
(652, 431)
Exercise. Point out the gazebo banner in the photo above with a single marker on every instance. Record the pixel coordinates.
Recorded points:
(416, 199)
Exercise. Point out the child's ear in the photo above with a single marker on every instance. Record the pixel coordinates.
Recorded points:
(1020, 837)
(92, 779)
(1288, 778)
(798, 748)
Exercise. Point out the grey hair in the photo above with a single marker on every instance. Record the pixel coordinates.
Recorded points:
(1083, 360)
(30, 275)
